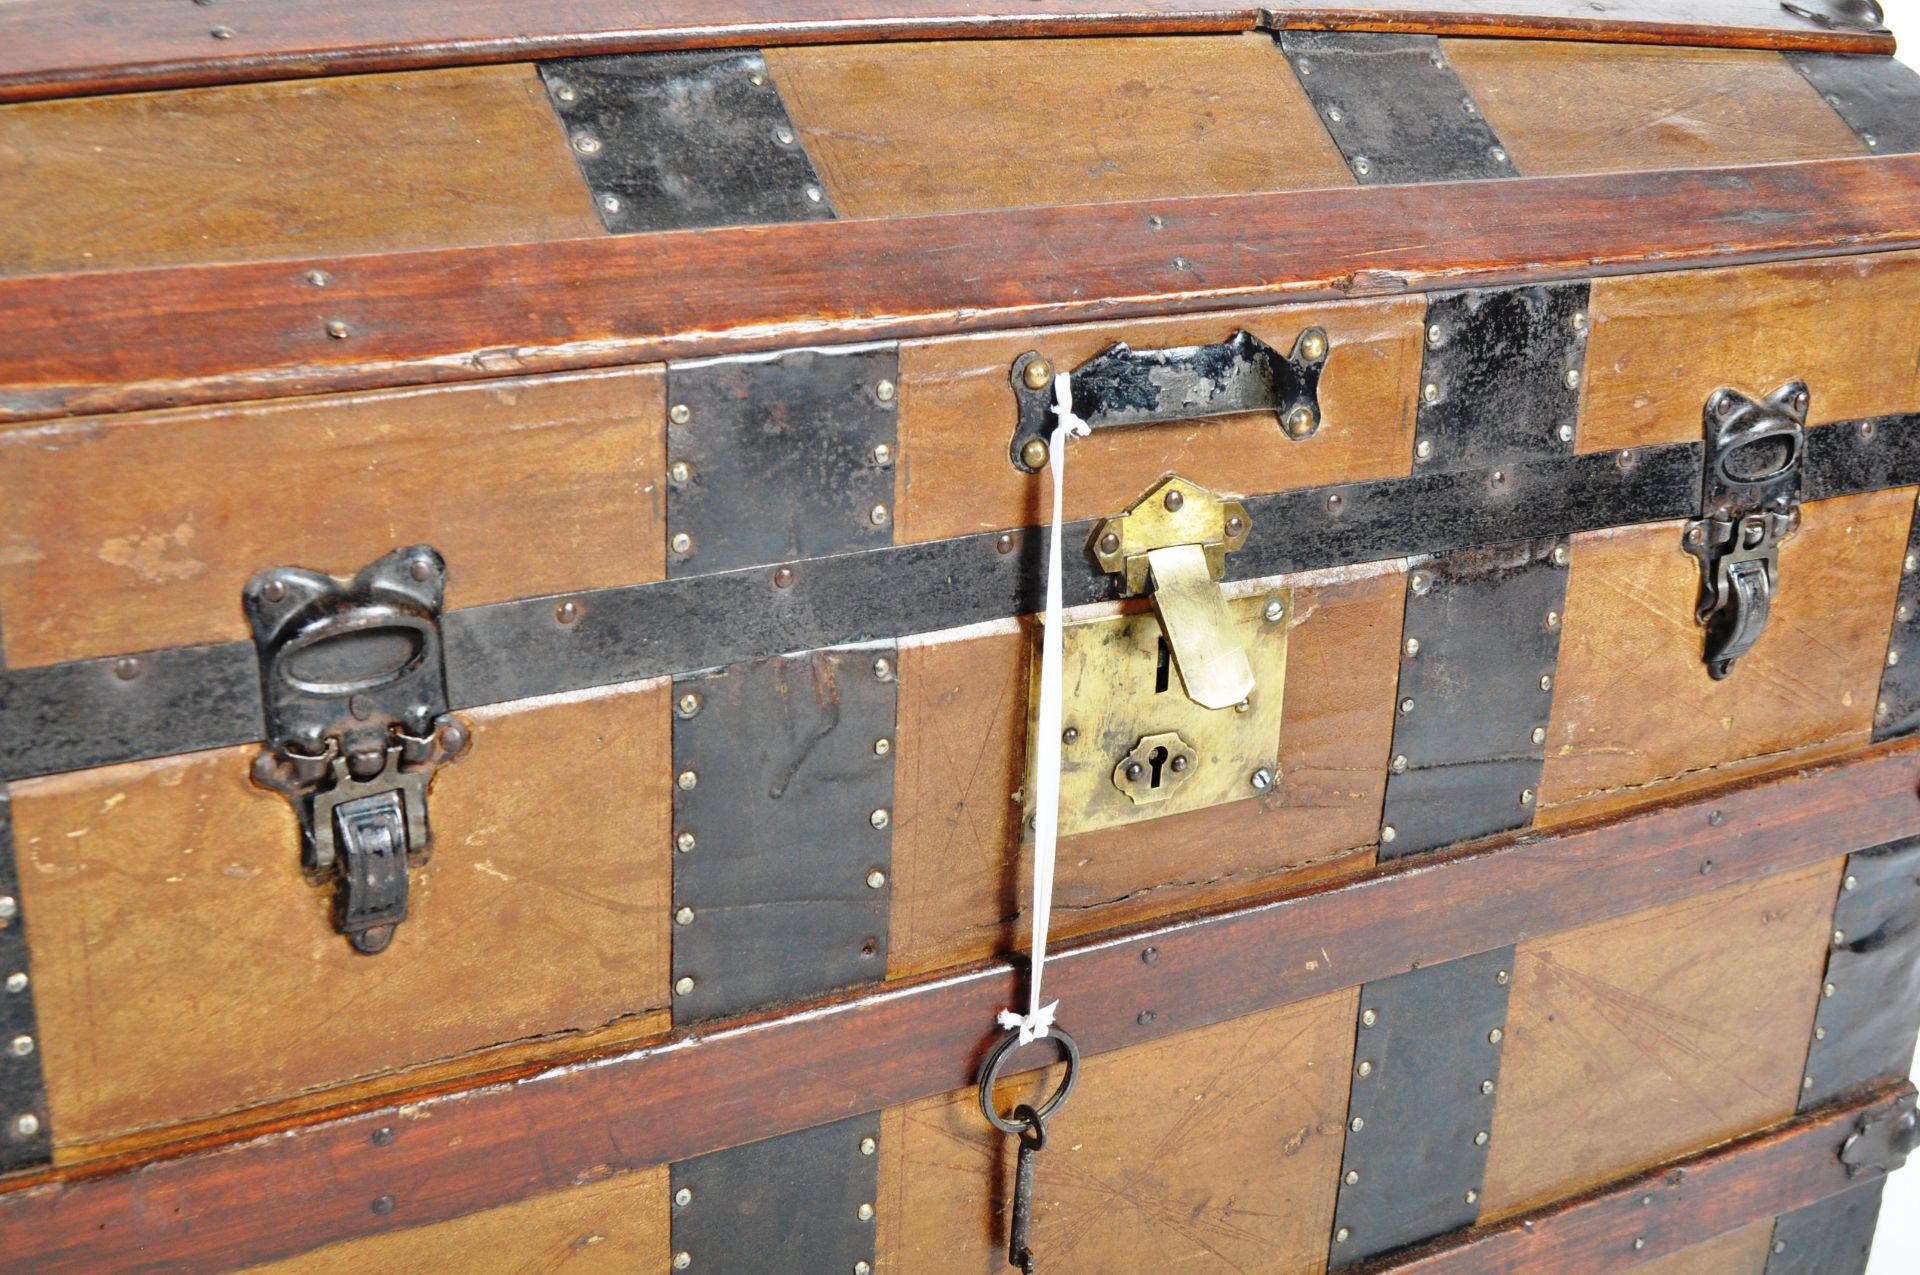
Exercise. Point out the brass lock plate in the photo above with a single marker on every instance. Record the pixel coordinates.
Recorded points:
(1124, 703)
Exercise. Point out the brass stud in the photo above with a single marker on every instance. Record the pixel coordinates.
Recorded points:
(1038, 375)
(1313, 344)
(1174, 500)
(1300, 422)
(1034, 453)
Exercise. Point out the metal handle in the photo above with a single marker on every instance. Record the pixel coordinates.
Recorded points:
(1124, 386)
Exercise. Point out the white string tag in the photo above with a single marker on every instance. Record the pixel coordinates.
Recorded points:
(1038, 1020)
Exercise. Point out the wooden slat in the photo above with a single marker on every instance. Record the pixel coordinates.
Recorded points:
(57, 48)
(959, 868)
(1660, 344)
(1588, 108)
(1732, 1189)
(1741, 1252)
(966, 125)
(177, 334)
(168, 897)
(613, 1227)
(365, 164)
(1656, 1035)
(957, 481)
(142, 530)
(1214, 1150)
(310, 1183)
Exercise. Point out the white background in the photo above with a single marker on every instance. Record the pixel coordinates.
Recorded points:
(1896, 1249)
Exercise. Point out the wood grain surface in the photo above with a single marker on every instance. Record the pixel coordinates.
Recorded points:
(460, 156)
(1589, 108)
(611, 1227)
(56, 47)
(143, 529)
(961, 873)
(1741, 1252)
(956, 403)
(1216, 1150)
(1633, 704)
(194, 333)
(1657, 1035)
(974, 124)
(1660, 344)
(171, 893)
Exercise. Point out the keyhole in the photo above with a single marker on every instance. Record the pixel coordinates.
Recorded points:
(1157, 759)
(1160, 676)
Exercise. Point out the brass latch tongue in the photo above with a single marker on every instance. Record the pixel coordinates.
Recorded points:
(1173, 544)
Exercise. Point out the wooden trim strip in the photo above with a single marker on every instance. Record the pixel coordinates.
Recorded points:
(286, 1188)
(1680, 1204)
(170, 335)
(57, 48)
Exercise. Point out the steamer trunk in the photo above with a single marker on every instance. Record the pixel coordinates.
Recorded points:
(523, 552)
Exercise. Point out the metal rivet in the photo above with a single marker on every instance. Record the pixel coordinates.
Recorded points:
(1261, 779)
(1546, 681)
(679, 472)
(565, 92)
(1149, 955)
(1430, 393)
(1313, 344)
(684, 842)
(1565, 433)
(221, 33)
(1421, 582)
(862, 1268)
(1275, 610)
(684, 987)
(1362, 165)
(1436, 334)
(383, 1205)
(1828, 990)
(1334, 114)
(1335, 501)
(814, 194)
(1495, 1036)
(1353, 1177)
(1539, 735)
(682, 542)
(337, 330)
(881, 747)
(16, 982)
(26, 1125)
(1145, 1018)
(1499, 478)
(679, 413)
(1503, 977)
(1472, 1197)
(1480, 1138)
(876, 879)
(682, 1260)
(1839, 938)
(865, 1212)
(1034, 454)
(1387, 833)
(878, 515)
(689, 704)
(1364, 1069)
(1560, 555)
(1579, 320)
(20, 1046)
(883, 669)
(1779, 1246)
(1851, 883)
(1553, 619)
(1908, 563)
(1406, 705)
(8, 907)
(1357, 1124)
(683, 1197)
(688, 780)
(1368, 1018)
(1486, 1086)
(683, 917)
(318, 278)
(1342, 1235)
(784, 136)
(1526, 796)
(880, 818)
(567, 612)
(383, 1136)
(1871, 141)
(126, 668)
(1499, 156)
(1412, 646)
(1819, 1033)
(1174, 500)
(610, 203)
(1638, 1243)
(586, 143)
(1573, 378)
(1400, 764)
(1423, 448)
(868, 1146)
(783, 577)
(1300, 422)
(1038, 375)
(882, 454)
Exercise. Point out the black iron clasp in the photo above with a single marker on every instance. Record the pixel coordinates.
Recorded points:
(1124, 386)
(355, 688)
(1749, 503)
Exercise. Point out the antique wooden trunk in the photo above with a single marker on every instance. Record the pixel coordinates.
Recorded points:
(533, 734)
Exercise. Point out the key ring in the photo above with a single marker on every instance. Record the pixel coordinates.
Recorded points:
(990, 1075)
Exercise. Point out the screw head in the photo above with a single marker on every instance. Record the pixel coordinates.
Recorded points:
(883, 669)
(1033, 454)
(1039, 374)
(1420, 581)
(683, 1197)
(682, 1260)
(1472, 1196)
(680, 471)
(1369, 1017)
(1579, 320)
(863, 1268)
(688, 780)
(1526, 796)
(1313, 344)
(878, 515)
(610, 203)
(683, 917)
(881, 747)
(1275, 611)
(679, 413)
(1573, 378)
(1423, 449)
(684, 842)
(1480, 1138)
(688, 704)
(1495, 1036)
(884, 391)
(880, 818)
(683, 987)
(1261, 779)
(1486, 1086)
(1560, 555)
(1334, 114)
(681, 542)
(1406, 705)
(318, 278)
(1565, 433)
(1436, 335)
(564, 92)
(1502, 977)
(882, 454)
(1539, 735)
(876, 879)
(20, 1046)
(1362, 165)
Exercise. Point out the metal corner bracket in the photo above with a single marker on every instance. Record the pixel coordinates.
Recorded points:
(353, 678)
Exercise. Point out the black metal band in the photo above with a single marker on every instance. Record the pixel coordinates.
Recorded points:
(26, 1137)
(123, 708)
(1878, 97)
(1869, 1007)
(803, 1201)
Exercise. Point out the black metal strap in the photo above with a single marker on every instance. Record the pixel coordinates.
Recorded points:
(123, 708)
(26, 1133)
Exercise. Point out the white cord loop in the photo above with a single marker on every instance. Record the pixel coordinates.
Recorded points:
(1038, 1020)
